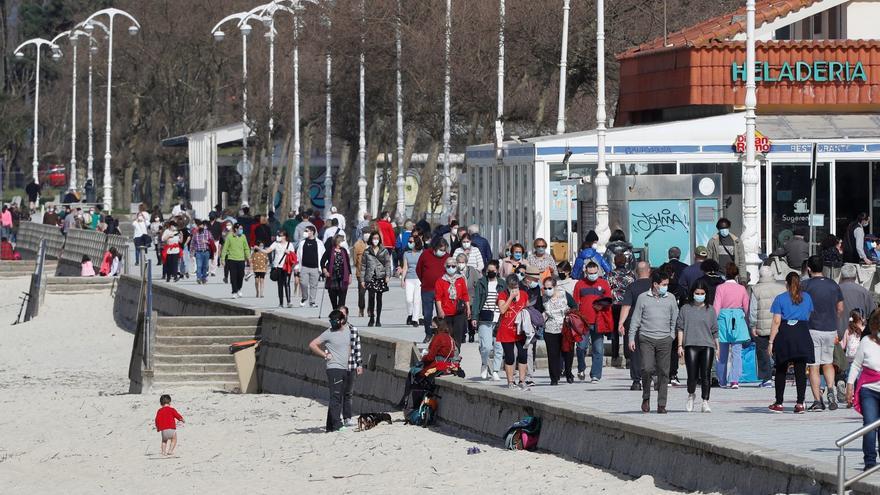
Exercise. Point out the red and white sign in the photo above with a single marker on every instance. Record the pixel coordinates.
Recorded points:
(762, 143)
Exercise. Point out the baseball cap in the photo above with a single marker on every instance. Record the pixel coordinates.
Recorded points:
(701, 251)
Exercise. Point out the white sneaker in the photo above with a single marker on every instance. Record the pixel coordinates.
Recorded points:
(350, 422)
(706, 408)
(235, 295)
(689, 406)
(484, 372)
(495, 377)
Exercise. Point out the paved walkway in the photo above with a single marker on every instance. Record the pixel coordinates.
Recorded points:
(738, 415)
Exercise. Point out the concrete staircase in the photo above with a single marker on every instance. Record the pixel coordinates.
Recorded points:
(193, 351)
(24, 268)
(78, 285)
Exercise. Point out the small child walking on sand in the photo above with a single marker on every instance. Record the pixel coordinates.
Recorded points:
(166, 424)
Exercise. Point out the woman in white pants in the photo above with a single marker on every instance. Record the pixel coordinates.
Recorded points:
(410, 281)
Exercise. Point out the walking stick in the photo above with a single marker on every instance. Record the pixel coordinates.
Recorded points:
(321, 305)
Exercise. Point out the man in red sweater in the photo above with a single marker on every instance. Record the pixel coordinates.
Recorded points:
(593, 297)
(429, 269)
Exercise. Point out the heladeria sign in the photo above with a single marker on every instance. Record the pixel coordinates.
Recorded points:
(817, 71)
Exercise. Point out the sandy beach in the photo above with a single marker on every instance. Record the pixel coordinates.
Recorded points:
(70, 427)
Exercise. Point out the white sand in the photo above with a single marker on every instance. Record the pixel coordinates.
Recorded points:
(69, 427)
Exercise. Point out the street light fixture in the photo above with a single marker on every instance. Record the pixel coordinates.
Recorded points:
(72, 35)
(89, 28)
(38, 43)
(111, 14)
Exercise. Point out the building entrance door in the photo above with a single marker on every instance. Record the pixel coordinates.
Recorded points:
(853, 192)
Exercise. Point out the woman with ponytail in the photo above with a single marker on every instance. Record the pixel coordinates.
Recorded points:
(790, 342)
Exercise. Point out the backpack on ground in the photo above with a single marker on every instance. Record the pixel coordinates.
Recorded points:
(425, 414)
(523, 435)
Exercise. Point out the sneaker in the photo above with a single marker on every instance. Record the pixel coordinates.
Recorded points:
(674, 382)
(525, 386)
(581, 375)
(302, 303)
(495, 377)
(734, 385)
(635, 386)
(766, 384)
(313, 305)
(689, 405)
(530, 383)
(816, 406)
(512, 386)
(841, 391)
(798, 408)
(832, 400)
(484, 372)
(777, 408)
(289, 305)
(594, 380)
(350, 423)
(705, 407)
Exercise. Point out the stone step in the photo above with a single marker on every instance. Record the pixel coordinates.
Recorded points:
(189, 340)
(208, 321)
(160, 386)
(191, 350)
(171, 359)
(188, 331)
(166, 369)
(197, 377)
(80, 280)
(16, 274)
(77, 288)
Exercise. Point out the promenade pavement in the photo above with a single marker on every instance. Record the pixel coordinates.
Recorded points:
(739, 416)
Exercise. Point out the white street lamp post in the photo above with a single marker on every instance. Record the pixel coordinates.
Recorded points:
(563, 66)
(602, 228)
(73, 35)
(132, 30)
(328, 132)
(751, 238)
(447, 178)
(296, 182)
(38, 43)
(93, 48)
(401, 179)
(499, 123)
(362, 140)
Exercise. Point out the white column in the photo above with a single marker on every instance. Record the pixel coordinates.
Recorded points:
(563, 69)
(296, 181)
(36, 161)
(245, 176)
(108, 180)
(751, 204)
(90, 159)
(401, 177)
(602, 228)
(72, 177)
(499, 124)
(271, 80)
(362, 140)
(447, 177)
(328, 139)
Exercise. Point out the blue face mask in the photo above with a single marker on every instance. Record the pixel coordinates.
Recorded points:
(540, 251)
(724, 232)
(662, 290)
(592, 277)
(517, 256)
(410, 245)
(700, 298)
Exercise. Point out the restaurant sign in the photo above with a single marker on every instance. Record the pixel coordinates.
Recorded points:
(762, 143)
(816, 71)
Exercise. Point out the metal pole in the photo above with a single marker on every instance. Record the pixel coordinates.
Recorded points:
(602, 228)
(72, 178)
(271, 78)
(296, 182)
(401, 179)
(563, 70)
(108, 181)
(90, 160)
(245, 176)
(362, 140)
(499, 124)
(447, 177)
(813, 177)
(328, 138)
(841, 472)
(751, 205)
(36, 162)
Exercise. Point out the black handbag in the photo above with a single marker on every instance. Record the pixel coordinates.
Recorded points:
(273, 274)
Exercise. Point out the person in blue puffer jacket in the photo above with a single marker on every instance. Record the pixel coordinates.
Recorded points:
(587, 253)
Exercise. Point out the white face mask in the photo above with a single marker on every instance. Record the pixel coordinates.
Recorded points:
(375, 242)
(462, 266)
(465, 245)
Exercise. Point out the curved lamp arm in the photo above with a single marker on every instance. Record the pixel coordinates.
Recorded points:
(113, 12)
(36, 42)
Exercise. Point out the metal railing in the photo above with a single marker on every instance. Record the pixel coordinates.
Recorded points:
(36, 287)
(149, 324)
(141, 362)
(842, 482)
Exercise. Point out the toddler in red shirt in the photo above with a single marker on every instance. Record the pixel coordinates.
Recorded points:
(166, 424)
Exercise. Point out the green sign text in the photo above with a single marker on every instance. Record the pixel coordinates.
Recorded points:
(818, 71)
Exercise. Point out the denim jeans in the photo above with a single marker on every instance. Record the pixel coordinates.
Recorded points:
(764, 359)
(488, 344)
(729, 355)
(597, 354)
(202, 260)
(870, 402)
(428, 311)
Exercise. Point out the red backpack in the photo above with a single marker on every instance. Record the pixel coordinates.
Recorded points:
(574, 328)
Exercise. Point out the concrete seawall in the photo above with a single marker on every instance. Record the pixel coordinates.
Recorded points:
(621, 442)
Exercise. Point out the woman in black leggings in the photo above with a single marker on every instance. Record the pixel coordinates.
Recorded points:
(790, 341)
(510, 304)
(336, 266)
(282, 249)
(697, 329)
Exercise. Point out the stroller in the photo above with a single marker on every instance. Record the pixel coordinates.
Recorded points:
(420, 391)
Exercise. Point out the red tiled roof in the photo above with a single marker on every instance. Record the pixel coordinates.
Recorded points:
(721, 28)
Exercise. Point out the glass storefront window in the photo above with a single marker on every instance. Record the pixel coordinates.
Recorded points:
(643, 168)
(558, 216)
(790, 190)
(731, 188)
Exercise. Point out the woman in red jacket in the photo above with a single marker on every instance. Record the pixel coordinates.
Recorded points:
(453, 301)
(593, 297)
(510, 304)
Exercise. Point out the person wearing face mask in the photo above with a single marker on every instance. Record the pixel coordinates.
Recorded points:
(697, 328)
(430, 267)
(336, 266)
(410, 281)
(309, 253)
(542, 260)
(555, 308)
(587, 254)
(485, 309)
(726, 248)
(377, 271)
(141, 235)
(619, 279)
(565, 283)
(854, 241)
(201, 244)
(593, 295)
(731, 304)
(471, 253)
(617, 245)
(334, 346)
(531, 287)
(301, 227)
(510, 264)
(283, 259)
(235, 253)
(653, 321)
(473, 277)
(453, 300)
(360, 247)
(171, 252)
